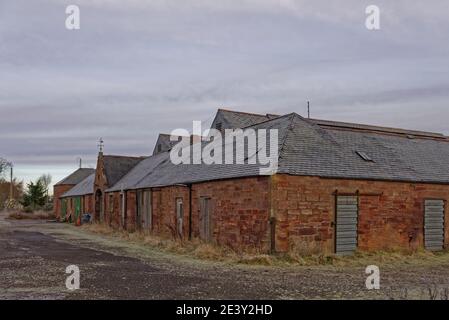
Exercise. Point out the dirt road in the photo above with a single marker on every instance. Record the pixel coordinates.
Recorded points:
(35, 254)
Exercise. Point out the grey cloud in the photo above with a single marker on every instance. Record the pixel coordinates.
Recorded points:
(137, 68)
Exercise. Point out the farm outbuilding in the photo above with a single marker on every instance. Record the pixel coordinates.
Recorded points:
(78, 201)
(339, 187)
(65, 185)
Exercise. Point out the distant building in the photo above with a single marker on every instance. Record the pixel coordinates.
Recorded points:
(66, 184)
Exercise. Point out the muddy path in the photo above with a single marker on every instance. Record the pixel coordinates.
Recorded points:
(35, 254)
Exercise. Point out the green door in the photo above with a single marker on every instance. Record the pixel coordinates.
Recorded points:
(77, 209)
(63, 208)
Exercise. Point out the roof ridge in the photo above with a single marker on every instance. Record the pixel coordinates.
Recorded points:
(268, 120)
(289, 129)
(243, 112)
(369, 127)
(130, 157)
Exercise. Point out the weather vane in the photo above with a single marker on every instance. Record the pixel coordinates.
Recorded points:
(101, 144)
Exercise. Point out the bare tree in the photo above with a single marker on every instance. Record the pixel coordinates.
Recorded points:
(4, 164)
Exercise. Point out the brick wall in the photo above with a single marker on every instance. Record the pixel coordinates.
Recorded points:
(240, 212)
(58, 191)
(112, 209)
(88, 204)
(131, 211)
(391, 214)
(164, 211)
(305, 211)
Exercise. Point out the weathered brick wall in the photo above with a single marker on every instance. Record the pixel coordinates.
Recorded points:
(88, 204)
(164, 211)
(305, 211)
(58, 191)
(130, 211)
(112, 209)
(240, 212)
(100, 185)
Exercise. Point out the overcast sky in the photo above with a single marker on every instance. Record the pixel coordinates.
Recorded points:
(137, 68)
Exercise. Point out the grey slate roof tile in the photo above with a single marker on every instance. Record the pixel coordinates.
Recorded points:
(311, 149)
(116, 167)
(76, 177)
(83, 188)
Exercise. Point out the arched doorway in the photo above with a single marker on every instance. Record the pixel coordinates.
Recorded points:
(98, 206)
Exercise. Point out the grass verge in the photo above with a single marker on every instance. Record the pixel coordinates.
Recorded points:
(37, 215)
(197, 249)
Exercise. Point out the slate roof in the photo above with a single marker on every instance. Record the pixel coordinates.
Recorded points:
(356, 126)
(83, 188)
(116, 167)
(311, 147)
(164, 141)
(76, 177)
(314, 150)
(238, 119)
(139, 172)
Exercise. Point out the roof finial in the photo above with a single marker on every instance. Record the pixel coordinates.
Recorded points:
(308, 109)
(101, 145)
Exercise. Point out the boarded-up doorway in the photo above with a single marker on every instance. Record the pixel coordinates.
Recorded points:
(147, 210)
(123, 209)
(434, 225)
(346, 224)
(144, 208)
(179, 216)
(63, 208)
(99, 214)
(205, 219)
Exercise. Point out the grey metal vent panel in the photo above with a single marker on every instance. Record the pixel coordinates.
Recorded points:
(434, 225)
(346, 225)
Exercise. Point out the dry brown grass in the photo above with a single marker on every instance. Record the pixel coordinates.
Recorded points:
(299, 255)
(37, 215)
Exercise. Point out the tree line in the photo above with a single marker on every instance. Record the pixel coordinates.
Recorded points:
(34, 197)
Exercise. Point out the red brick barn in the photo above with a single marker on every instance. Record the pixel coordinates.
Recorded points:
(339, 187)
(65, 185)
(110, 169)
(79, 200)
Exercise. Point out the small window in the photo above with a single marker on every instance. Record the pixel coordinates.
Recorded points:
(364, 156)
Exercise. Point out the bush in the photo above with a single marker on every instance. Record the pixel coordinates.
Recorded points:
(38, 215)
(48, 207)
(28, 210)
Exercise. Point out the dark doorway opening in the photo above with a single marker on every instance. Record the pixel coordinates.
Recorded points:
(98, 206)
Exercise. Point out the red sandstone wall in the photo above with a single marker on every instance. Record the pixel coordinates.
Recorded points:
(240, 212)
(305, 211)
(57, 192)
(130, 210)
(164, 211)
(112, 214)
(88, 204)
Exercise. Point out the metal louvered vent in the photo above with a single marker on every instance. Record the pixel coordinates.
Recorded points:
(346, 225)
(434, 225)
